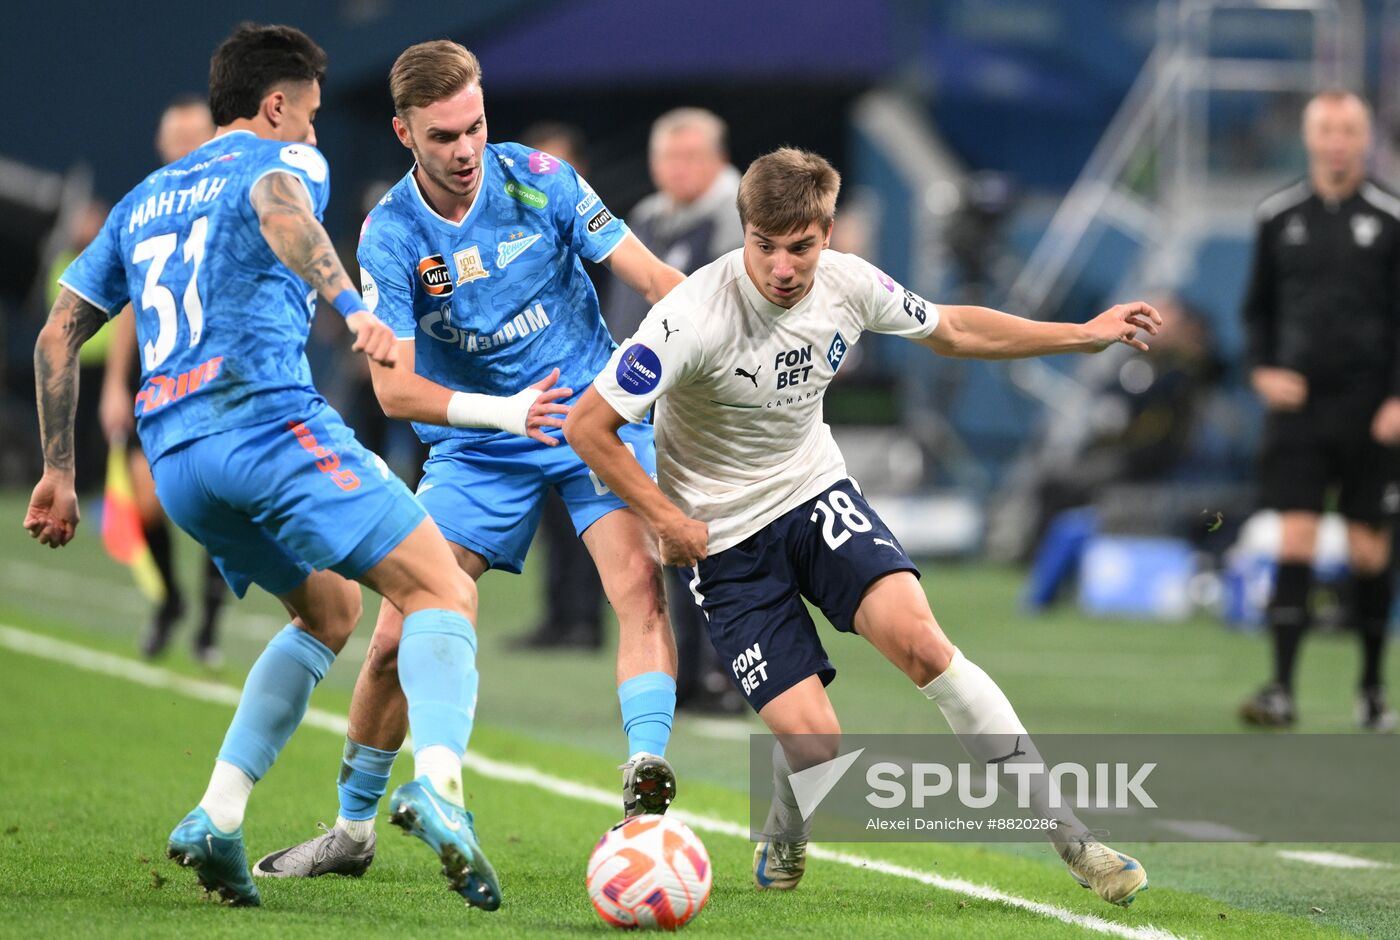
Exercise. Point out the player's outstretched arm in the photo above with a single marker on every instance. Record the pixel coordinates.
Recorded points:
(641, 270)
(289, 225)
(982, 333)
(591, 430)
(53, 508)
(408, 396)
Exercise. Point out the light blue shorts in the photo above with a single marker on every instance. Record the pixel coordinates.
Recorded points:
(488, 498)
(276, 501)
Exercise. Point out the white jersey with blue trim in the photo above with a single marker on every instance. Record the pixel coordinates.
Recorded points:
(738, 383)
(497, 300)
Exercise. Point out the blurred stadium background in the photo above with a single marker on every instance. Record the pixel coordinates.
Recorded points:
(1049, 157)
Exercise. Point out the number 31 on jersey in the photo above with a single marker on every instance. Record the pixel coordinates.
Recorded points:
(160, 298)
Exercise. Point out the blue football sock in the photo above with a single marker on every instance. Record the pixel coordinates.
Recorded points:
(364, 776)
(437, 670)
(274, 699)
(648, 704)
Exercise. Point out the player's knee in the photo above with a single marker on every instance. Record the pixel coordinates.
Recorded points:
(816, 743)
(1369, 565)
(382, 657)
(1369, 552)
(461, 592)
(643, 589)
(334, 614)
(926, 651)
(1297, 537)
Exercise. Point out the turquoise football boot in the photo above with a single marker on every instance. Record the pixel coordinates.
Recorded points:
(218, 858)
(448, 830)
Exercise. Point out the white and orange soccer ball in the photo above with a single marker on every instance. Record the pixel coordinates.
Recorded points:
(649, 872)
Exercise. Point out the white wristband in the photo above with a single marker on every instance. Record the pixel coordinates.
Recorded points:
(507, 412)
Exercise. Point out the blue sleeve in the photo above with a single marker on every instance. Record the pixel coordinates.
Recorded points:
(305, 163)
(584, 221)
(386, 277)
(98, 275)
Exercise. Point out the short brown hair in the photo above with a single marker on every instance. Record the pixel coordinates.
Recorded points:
(431, 71)
(787, 190)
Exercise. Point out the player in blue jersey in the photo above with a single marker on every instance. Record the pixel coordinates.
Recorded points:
(222, 256)
(474, 259)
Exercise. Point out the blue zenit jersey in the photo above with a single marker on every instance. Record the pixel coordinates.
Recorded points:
(496, 301)
(221, 323)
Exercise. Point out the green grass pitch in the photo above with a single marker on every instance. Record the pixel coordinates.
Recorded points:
(95, 769)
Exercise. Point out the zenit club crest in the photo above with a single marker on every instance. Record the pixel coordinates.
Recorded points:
(432, 271)
(515, 246)
(469, 266)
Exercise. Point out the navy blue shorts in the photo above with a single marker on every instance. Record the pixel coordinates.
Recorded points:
(829, 550)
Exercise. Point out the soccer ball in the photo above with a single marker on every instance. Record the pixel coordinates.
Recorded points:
(649, 872)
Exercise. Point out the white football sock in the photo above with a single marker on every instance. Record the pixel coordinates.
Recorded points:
(982, 718)
(226, 799)
(785, 822)
(443, 768)
(358, 829)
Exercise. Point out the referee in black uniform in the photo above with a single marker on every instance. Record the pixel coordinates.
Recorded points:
(1322, 318)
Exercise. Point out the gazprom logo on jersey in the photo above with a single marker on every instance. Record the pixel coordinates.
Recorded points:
(836, 351)
(437, 324)
(638, 371)
(589, 200)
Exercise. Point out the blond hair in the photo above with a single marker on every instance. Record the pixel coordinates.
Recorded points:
(787, 190)
(431, 71)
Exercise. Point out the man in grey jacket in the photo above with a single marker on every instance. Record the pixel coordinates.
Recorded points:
(690, 220)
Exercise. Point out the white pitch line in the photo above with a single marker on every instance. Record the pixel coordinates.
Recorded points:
(82, 657)
(1331, 859)
(123, 597)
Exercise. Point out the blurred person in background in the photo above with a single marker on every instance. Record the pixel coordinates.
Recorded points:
(688, 222)
(1322, 317)
(573, 617)
(184, 125)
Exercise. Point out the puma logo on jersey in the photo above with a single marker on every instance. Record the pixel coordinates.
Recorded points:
(886, 542)
(667, 327)
(751, 376)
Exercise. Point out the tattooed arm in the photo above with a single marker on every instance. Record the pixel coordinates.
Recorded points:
(53, 507)
(289, 225)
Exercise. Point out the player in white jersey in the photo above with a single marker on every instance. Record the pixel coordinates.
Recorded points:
(754, 496)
